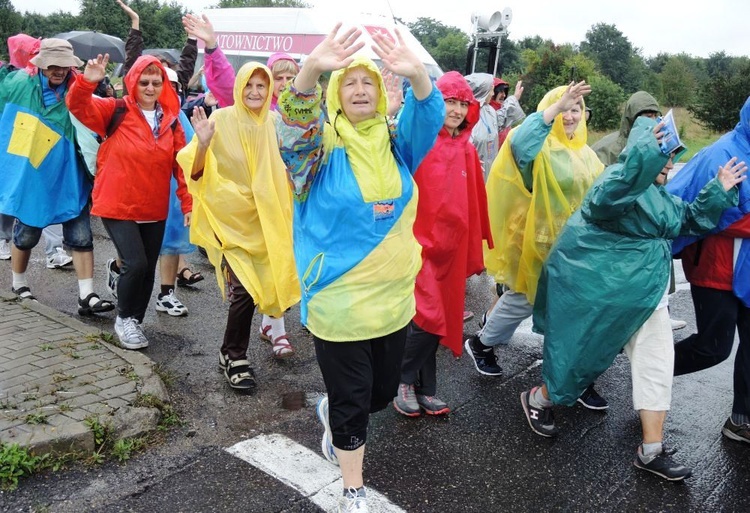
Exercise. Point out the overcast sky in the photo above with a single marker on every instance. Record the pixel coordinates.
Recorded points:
(672, 26)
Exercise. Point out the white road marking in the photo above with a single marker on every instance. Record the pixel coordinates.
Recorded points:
(304, 470)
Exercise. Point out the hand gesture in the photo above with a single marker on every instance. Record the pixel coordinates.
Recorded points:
(200, 28)
(335, 52)
(573, 95)
(130, 12)
(519, 90)
(204, 128)
(396, 56)
(732, 173)
(394, 91)
(96, 69)
(187, 218)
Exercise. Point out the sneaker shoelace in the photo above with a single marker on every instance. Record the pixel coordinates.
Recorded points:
(130, 328)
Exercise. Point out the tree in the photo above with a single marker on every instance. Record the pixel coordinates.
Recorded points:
(10, 25)
(678, 83)
(450, 52)
(720, 109)
(447, 45)
(605, 102)
(613, 52)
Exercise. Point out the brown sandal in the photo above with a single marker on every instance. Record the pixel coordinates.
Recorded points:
(186, 277)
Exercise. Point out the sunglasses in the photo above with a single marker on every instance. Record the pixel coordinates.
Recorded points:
(153, 83)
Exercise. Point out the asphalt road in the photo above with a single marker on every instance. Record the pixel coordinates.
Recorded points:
(482, 457)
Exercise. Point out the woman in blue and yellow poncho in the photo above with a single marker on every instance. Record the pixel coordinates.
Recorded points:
(355, 205)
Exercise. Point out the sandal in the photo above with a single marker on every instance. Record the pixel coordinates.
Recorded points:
(240, 375)
(282, 348)
(25, 293)
(93, 304)
(265, 333)
(186, 277)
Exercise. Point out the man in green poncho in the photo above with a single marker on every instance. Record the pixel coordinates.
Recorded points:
(611, 262)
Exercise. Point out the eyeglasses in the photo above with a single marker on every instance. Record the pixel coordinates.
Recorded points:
(152, 83)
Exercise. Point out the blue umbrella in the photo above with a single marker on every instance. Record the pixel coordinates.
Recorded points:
(88, 44)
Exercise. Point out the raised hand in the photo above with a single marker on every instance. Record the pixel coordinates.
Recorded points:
(519, 90)
(130, 12)
(573, 95)
(732, 173)
(96, 69)
(200, 27)
(395, 92)
(399, 59)
(204, 128)
(396, 56)
(334, 52)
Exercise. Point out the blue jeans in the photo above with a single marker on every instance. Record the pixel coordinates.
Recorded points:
(53, 234)
(76, 234)
(502, 322)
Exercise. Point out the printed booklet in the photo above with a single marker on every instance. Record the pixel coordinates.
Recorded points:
(671, 141)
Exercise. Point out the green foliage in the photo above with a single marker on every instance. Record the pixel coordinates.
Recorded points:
(36, 418)
(447, 45)
(450, 52)
(719, 110)
(605, 101)
(678, 83)
(17, 462)
(123, 449)
(613, 53)
(10, 25)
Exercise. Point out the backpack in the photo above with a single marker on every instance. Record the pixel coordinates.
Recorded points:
(117, 118)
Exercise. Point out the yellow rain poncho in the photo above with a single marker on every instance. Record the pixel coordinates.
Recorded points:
(242, 204)
(525, 224)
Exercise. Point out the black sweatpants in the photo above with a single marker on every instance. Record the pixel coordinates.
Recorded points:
(138, 246)
(361, 377)
(717, 313)
(419, 367)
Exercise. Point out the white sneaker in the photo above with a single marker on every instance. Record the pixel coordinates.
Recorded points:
(677, 324)
(130, 333)
(4, 249)
(171, 305)
(59, 259)
(353, 501)
(112, 278)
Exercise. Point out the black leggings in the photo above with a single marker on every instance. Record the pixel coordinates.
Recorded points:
(138, 246)
(361, 377)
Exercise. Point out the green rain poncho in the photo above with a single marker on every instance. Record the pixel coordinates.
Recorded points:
(610, 265)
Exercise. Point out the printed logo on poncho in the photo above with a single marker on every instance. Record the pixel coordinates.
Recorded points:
(383, 210)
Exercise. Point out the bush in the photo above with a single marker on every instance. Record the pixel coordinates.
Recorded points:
(605, 101)
(719, 109)
(16, 462)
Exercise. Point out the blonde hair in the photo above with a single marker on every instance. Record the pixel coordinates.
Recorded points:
(284, 66)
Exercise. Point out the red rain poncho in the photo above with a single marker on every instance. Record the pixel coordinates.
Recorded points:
(451, 222)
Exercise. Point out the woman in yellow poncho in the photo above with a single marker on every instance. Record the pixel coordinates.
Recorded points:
(537, 181)
(242, 212)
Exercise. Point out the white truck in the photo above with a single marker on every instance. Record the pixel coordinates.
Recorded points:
(254, 33)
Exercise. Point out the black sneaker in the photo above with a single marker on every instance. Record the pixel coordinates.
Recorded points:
(663, 466)
(541, 420)
(483, 357)
(739, 433)
(592, 400)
